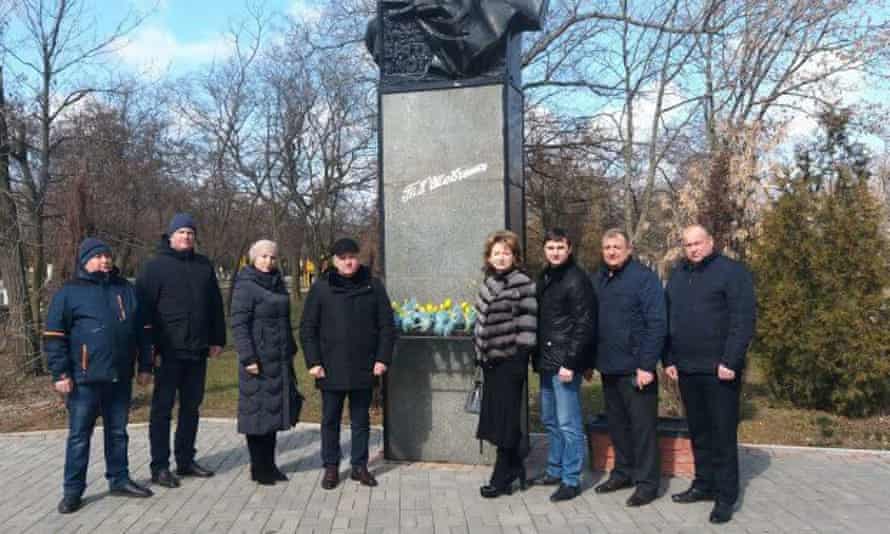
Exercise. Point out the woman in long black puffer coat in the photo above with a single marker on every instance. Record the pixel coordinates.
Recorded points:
(268, 400)
(505, 336)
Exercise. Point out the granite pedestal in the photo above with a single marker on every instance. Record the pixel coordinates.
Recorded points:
(424, 403)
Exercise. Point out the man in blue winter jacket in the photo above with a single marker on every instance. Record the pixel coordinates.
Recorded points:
(95, 335)
(712, 315)
(632, 328)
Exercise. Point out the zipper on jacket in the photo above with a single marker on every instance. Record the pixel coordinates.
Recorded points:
(84, 357)
(120, 305)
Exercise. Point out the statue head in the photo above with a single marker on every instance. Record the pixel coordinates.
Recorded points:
(463, 38)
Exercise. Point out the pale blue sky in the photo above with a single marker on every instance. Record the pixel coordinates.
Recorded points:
(179, 35)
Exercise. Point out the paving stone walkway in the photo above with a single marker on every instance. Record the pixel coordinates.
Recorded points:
(784, 490)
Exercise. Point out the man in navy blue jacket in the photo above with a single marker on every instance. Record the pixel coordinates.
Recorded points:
(712, 315)
(632, 324)
(94, 329)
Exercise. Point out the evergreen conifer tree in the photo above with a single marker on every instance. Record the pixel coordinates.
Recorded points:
(822, 263)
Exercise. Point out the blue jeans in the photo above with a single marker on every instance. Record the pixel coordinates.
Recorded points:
(561, 416)
(85, 403)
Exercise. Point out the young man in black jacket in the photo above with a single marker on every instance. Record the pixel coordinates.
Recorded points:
(631, 332)
(94, 328)
(566, 322)
(347, 332)
(179, 290)
(712, 312)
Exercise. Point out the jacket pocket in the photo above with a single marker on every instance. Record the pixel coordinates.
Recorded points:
(176, 330)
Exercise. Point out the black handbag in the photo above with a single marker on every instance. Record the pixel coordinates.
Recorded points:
(474, 397)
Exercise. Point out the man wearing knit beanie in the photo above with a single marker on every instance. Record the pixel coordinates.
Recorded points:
(90, 248)
(181, 220)
(96, 372)
(181, 295)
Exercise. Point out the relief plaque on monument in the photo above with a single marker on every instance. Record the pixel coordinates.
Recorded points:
(416, 41)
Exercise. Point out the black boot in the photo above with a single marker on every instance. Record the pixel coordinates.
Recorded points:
(251, 451)
(259, 470)
(506, 471)
(274, 472)
(519, 469)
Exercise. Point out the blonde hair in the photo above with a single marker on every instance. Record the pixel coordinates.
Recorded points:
(259, 246)
(508, 238)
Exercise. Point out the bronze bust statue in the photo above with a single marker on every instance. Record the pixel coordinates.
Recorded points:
(447, 39)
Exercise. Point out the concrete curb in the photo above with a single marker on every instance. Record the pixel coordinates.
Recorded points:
(827, 450)
(45, 434)
(882, 453)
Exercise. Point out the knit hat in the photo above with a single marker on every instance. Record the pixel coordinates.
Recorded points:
(181, 220)
(344, 246)
(91, 247)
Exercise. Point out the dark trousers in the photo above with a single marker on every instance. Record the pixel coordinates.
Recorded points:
(85, 403)
(633, 419)
(508, 467)
(262, 453)
(360, 421)
(185, 377)
(712, 411)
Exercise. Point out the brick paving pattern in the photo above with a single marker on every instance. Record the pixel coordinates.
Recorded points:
(784, 490)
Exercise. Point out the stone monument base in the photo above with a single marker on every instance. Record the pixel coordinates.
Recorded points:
(426, 387)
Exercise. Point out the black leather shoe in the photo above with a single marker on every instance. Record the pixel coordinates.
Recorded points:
(278, 475)
(165, 478)
(565, 493)
(69, 505)
(545, 480)
(193, 470)
(693, 494)
(131, 489)
(613, 484)
(331, 477)
(639, 499)
(363, 476)
(721, 513)
(490, 492)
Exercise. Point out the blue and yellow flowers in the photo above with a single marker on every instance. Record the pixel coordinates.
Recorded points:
(444, 319)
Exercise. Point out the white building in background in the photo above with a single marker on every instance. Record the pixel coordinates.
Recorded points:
(4, 294)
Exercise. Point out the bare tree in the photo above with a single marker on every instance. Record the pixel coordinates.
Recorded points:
(326, 118)
(224, 107)
(57, 59)
(12, 262)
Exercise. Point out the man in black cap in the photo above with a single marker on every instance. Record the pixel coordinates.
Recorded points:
(179, 290)
(347, 333)
(94, 328)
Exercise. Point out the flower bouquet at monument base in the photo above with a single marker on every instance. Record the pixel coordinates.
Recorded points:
(444, 319)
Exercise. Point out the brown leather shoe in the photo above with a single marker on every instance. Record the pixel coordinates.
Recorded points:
(331, 477)
(363, 476)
